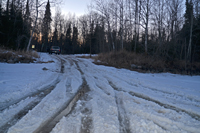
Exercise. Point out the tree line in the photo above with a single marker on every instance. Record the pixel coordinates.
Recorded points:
(168, 29)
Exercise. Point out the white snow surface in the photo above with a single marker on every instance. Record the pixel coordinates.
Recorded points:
(119, 100)
(19, 80)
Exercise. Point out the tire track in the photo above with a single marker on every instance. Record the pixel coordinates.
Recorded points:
(86, 120)
(67, 109)
(39, 95)
(171, 95)
(167, 106)
(50, 124)
(124, 122)
(37, 92)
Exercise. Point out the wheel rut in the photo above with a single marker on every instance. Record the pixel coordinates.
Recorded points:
(167, 106)
(124, 122)
(68, 108)
(86, 119)
(39, 95)
(35, 93)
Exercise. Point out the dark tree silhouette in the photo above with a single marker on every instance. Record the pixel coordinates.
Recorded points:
(46, 26)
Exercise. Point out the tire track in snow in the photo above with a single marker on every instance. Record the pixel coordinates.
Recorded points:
(39, 95)
(67, 109)
(86, 120)
(50, 124)
(24, 111)
(167, 106)
(30, 95)
(37, 92)
(124, 122)
(169, 95)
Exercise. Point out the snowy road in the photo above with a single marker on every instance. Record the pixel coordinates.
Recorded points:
(75, 96)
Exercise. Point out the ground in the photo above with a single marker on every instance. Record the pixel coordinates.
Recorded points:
(67, 94)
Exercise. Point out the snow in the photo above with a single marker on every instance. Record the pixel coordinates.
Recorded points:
(20, 80)
(119, 100)
(4, 117)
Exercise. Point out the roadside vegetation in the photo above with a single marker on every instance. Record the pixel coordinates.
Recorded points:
(11, 56)
(146, 63)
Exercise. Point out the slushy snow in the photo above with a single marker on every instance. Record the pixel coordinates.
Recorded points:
(119, 100)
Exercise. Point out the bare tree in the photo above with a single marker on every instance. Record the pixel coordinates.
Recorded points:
(102, 7)
(121, 19)
(33, 30)
(190, 40)
(158, 17)
(136, 23)
(146, 7)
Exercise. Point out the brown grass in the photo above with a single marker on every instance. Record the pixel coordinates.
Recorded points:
(145, 63)
(17, 56)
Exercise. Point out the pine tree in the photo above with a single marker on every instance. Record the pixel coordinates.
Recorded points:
(187, 30)
(27, 20)
(7, 7)
(68, 40)
(1, 26)
(46, 27)
(15, 27)
(74, 38)
(55, 37)
(0, 20)
(188, 12)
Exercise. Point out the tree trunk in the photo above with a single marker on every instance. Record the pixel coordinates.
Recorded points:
(146, 28)
(190, 42)
(136, 23)
(121, 24)
(146, 37)
(109, 29)
(29, 43)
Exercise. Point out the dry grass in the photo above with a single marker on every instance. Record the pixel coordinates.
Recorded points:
(11, 56)
(84, 56)
(145, 63)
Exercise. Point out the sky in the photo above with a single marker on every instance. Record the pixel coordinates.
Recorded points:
(79, 7)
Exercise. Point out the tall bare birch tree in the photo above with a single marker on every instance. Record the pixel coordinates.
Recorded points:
(103, 7)
(146, 10)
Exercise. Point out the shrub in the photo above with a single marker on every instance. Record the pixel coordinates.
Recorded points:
(11, 56)
(145, 63)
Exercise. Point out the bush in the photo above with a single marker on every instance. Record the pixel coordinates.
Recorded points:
(145, 63)
(11, 56)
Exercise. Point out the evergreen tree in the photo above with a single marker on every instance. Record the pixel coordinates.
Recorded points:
(15, 28)
(68, 40)
(0, 13)
(7, 7)
(188, 16)
(27, 20)
(74, 39)
(0, 21)
(188, 12)
(46, 26)
(3, 21)
(55, 37)
(19, 29)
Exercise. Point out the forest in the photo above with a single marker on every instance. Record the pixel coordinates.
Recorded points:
(168, 29)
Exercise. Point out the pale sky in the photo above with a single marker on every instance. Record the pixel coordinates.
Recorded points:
(79, 7)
